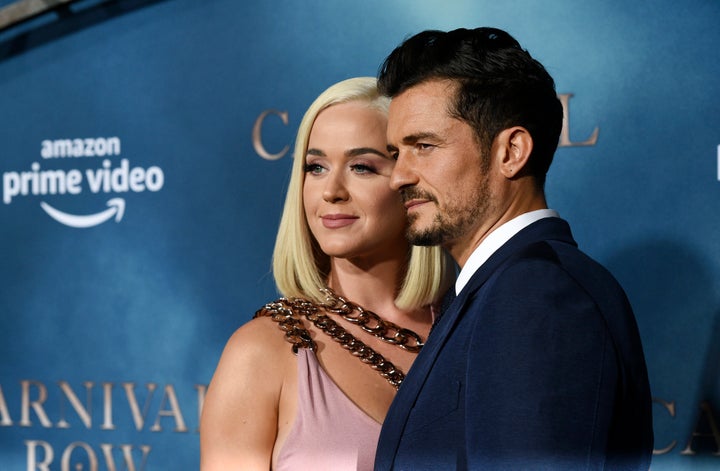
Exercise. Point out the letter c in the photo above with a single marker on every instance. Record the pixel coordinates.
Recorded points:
(257, 135)
(670, 407)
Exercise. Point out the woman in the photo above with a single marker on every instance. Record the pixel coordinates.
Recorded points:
(305, 384)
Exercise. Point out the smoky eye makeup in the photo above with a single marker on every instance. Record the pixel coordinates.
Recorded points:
(313, 167)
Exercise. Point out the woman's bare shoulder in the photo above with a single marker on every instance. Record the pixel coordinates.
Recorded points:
(240, 413)
(261, 338)
(255, 358)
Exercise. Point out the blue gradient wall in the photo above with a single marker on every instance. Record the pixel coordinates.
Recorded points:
(110, 333)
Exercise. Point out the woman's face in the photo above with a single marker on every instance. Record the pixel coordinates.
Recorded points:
(349, 206)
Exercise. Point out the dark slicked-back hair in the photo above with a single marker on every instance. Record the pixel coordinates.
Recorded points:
(499, 85)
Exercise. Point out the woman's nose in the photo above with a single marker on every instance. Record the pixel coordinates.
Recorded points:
(335, 189)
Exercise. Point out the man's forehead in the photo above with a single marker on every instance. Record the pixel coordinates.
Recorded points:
(427, 97)
(418, 111)
(433, 90)
(415, 107)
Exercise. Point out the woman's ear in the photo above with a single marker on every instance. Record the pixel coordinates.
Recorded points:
(516, 145)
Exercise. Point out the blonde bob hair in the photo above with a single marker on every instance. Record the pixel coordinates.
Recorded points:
(300, 267)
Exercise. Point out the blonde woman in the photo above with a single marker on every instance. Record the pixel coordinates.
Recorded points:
(307, 383)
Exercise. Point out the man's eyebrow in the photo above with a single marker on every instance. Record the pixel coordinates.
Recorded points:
(413, 138)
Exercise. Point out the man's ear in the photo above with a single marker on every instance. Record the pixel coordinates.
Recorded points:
(516, 145)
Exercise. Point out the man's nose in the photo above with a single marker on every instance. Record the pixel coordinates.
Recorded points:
(402, 174)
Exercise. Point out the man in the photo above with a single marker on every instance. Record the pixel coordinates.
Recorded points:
(537, 364)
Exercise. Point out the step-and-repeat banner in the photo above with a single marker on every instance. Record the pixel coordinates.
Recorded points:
(145, 150)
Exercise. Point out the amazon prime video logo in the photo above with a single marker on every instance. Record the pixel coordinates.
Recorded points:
(110, 177)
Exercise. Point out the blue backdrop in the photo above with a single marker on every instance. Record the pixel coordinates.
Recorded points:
(144, 161)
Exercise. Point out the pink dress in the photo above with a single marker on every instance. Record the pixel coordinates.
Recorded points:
(330, 431)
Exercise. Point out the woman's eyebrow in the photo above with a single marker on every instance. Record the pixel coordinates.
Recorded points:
(315, 152)
(364, 150)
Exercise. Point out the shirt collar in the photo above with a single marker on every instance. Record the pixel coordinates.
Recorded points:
(495, 240)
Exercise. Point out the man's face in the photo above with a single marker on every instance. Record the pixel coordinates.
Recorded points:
(446, 188)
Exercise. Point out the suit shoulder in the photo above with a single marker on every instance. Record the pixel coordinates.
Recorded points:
(554, 256)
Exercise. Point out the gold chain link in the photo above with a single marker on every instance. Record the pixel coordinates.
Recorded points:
(372, 323)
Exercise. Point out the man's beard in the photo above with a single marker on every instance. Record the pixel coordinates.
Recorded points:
(439, 232)
(450, 223)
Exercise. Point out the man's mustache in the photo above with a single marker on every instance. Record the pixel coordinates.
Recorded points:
(412, 193)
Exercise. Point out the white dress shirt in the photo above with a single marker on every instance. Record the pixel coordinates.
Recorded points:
(495, 240)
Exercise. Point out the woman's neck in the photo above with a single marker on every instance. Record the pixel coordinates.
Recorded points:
(373, 286)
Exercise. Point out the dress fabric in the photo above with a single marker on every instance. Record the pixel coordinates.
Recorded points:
(330, 431)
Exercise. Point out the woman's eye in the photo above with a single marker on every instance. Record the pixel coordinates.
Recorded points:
(313, 168)
(362, 168)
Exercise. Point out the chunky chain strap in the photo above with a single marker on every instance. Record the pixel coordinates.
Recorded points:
(284, 311)
(372, 323)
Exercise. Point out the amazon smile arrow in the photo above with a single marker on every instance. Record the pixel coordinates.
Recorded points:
(116, 208)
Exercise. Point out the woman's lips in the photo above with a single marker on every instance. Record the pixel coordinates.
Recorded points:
(334, 221)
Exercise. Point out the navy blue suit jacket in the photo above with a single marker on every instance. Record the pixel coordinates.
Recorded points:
(537, 364)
